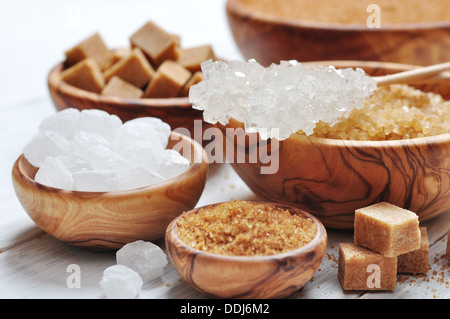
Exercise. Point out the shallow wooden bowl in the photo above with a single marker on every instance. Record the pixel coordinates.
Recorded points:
(331, 178)
(177, 112)
(268, 38)
(274, 276)
(108, 220)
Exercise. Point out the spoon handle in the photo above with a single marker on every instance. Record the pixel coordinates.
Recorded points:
(423, 74)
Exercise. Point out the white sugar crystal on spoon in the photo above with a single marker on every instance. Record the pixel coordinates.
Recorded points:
(43, 145)
(64, 122)
(54, 173)
(144, 257)
(121, 282)
(281, 99)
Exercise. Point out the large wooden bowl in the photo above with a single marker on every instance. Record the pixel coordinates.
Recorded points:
(274, 276)
(331, 178)
(108, 220)
(268, 38)
(177, 112)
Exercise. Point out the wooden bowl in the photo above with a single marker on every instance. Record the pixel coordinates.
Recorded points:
(331, 178)
(274, 276)
(177, 112)
(268, 38)
(109, 220)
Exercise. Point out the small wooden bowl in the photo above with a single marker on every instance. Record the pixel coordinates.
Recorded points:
(268, 38)
(331, 178)
(177, 112)
(274, 276)
(109, 220)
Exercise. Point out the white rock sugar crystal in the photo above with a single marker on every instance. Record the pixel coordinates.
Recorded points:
(144, 257)
(278, 100)
(121, 282)
(94, 151)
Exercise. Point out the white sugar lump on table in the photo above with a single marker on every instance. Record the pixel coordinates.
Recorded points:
(278, 100)
(144, 257)
(94, 151)
(121, 282)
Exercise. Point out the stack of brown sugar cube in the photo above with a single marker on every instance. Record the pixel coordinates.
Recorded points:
(387, 241)
(154, 66)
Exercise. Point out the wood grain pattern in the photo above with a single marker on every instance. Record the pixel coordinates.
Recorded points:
(177, 112)
(271, 39)
(241, 277)
(331, 178)
(108, 220)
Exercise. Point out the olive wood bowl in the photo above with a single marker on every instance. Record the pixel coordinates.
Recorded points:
(270, 38)
(247, 277)
(109, 220)
(332, 178)
(177, 112)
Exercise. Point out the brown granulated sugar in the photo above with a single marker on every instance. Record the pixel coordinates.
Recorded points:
(242, 228)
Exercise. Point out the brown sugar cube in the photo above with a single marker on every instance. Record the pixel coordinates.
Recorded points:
(157, 44)
(168, 81)
(417, 261)
(91, 47)
(196, 78)
(119, 88)
(191, 58)
(133, 68)
(362, 269)
(387, 229)
(85, 75)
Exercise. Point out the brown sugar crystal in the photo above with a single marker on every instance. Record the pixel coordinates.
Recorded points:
(362, 269)
(132, 68)
(387, 229)
(157, 44)
(85, 75)
(169, 79)
(241, 228)
(417, 261)
(119, 88)
(91, 47)
(191, 58)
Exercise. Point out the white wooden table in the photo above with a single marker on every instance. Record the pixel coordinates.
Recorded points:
(34, 265)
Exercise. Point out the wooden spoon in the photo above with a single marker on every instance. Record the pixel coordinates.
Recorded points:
(423, 74)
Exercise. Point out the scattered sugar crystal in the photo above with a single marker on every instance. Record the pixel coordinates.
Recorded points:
(91, 180)
(101, 122)
(281, 99)
(173, 164)
(54, 173)
(43, 145)
(65, 123)
(121, 282)
(138, 176)
(146, 258)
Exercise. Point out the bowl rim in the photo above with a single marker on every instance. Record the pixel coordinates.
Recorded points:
(235, 7)
(201, 159)
(55, 82)
(319, 238)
